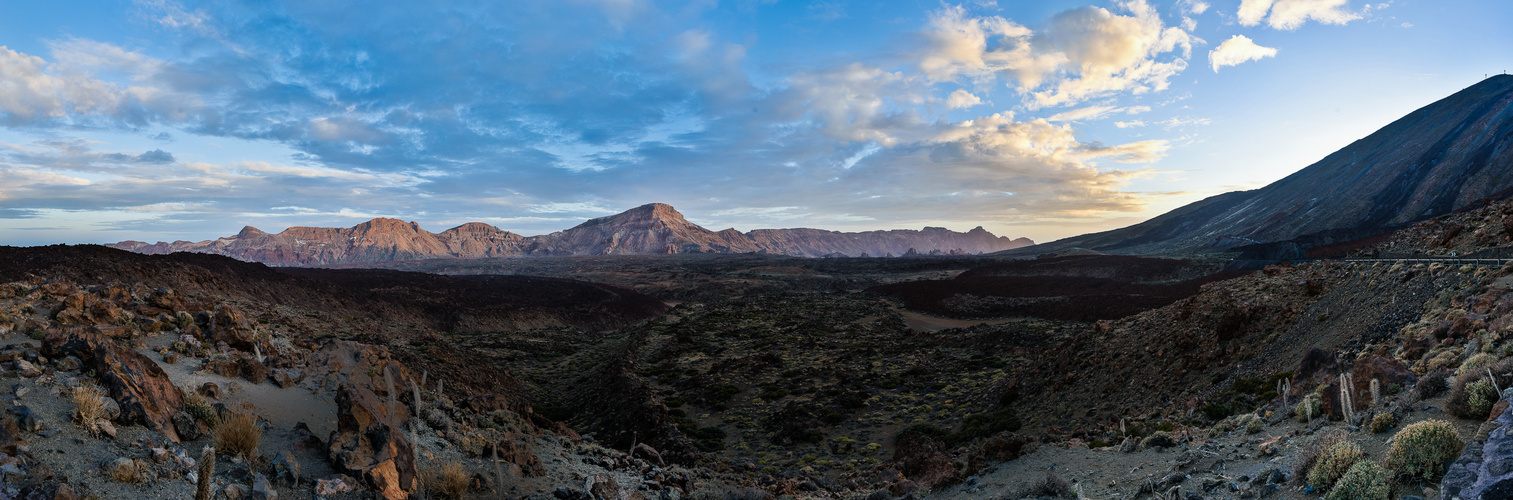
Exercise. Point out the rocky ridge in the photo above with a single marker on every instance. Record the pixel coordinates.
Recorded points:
(1443, 157)
(649, 229)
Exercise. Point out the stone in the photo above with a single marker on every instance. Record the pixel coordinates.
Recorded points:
(112, 409)
(106, 428)
(210, 390)
(516, 449)
(68, 364)
(262, 489)
(648, 453)
(368, 443)
(189, 428)
(285, 468)
(1001, 447)
(228, 324)
(236, 491)
(251, 369)
(142, 389)
(26, 369)
(334, 484)
(26, 419)
(924, 460)
(281, 378)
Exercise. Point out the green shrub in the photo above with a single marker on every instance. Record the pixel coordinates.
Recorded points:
(1310, 407)
(1333, 463)
(1420, 449)
(1382, 422)
(1480, 396)
(1253, 424)
(1364, 481)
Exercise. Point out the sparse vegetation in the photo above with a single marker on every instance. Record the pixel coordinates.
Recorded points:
(1366, 480)
(449, 481)
(1421, 449)
(240, 435)
(1382, 422)
(1333, 463)
(89, 407)
(198, 407)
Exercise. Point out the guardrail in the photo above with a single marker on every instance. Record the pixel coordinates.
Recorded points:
(1444, 260)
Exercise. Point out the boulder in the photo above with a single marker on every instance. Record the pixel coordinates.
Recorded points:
(1485, 467)
(369, 444)
(228, 324)
(1001, 447)
(1384, 369)
(334, 484)
(518, 453)
(251, 369)
(924, 460)
(138, 385)
(188, 427)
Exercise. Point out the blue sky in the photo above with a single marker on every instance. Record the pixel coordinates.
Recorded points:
(165, 120)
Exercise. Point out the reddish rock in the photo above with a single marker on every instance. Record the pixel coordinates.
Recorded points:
(142, 389)
(516, 449)
(251, 369)
(341, 361)
(228, 324)
(369, 444)
(1001, 447)
(1384, 369)
(924, 460)
(647, 452)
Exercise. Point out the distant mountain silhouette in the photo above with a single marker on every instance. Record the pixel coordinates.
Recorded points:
(648, 229)
(1443, 157)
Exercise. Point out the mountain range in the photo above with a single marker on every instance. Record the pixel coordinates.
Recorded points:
(654, 228)
(1441, 158)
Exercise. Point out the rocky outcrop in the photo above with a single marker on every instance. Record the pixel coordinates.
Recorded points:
(1485, 467)
(368, 443)
(143, 390)
(649, 229)
(924, 460)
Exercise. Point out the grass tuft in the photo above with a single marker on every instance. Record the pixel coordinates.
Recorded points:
(89, 408)
(238, 435)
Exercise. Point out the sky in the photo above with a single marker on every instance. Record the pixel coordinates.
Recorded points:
(171, 120)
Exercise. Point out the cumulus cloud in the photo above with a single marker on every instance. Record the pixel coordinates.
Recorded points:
(961, 99)
(1081, 54)
(1237, 49)
(1291, 14)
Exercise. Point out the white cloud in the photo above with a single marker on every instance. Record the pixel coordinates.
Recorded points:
(1291, 14)
(1129, 124)
(1194, 7)
(961, 99)
(1237, 49)
(1081, 114)
(31, 90)
(1081, 54)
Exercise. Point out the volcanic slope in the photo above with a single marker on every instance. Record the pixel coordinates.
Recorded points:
(1442, 157)
(648, 229)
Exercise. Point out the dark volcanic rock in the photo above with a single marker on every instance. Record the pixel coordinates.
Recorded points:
(142, 389)
(1485, 468)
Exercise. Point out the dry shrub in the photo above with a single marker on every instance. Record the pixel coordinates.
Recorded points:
(89, 407)
(449, 481)
(1431, 385)
(1472, 395)
(1049, 486)
(238, 434)
(1309, 453)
